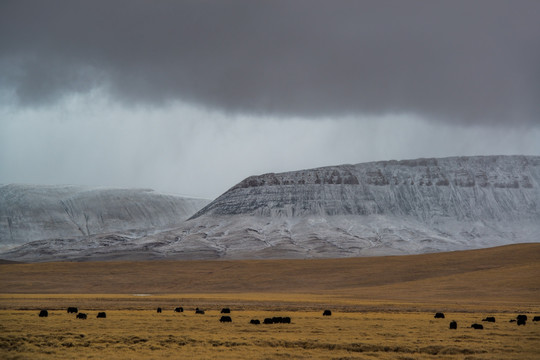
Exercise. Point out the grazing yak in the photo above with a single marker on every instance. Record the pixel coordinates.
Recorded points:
(327, 313)
(72, 310)
(101, 315)
(536, 318)
(43, 313)
(277, 320)
(521, 319)
(199, 311)
(159, 310)
(225, 311)
(179, 309)
(225, 319)
(439, 315)
(255, 322)
(489, 319)
(82, 316)
(477, 326)
(453, 324)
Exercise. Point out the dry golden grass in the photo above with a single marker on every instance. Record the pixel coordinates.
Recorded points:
(367, 335)
(383, 307)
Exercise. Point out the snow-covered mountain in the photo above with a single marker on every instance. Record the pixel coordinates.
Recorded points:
(32, 212)
(378, 208)
(464, 188)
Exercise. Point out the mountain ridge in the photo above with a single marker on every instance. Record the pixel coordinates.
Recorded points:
(370, 209)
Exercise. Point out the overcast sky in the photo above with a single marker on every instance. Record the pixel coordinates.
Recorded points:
(190, 97)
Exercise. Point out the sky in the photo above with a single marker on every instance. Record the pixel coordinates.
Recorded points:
(191, 97)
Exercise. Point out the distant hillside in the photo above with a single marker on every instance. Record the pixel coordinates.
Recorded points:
(32, 212)
(501, 274)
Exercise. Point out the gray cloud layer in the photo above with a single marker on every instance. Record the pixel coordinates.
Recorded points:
(460, 61)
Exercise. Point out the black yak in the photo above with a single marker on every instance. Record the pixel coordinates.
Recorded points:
(199, 311)
(277, 320)
(225, 311)
(439, 315)
(536, 318)
(43, 313)
(179, 309)
(477, 326)
(82, 316)
(159, 310)
(255, 321)
(72, 310)
(489, 319)
(225, 319)
(327, 313)
(521, 319)
(101, 315)
(453, 324)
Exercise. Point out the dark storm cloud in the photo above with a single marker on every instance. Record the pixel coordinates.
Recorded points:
(465, 61)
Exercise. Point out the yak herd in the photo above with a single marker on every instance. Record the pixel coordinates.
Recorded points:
(224, 318)
(520, 319)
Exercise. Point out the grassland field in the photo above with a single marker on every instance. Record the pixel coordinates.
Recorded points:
(382, 308)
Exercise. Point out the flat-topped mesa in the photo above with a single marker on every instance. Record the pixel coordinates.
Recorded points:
(469, 188)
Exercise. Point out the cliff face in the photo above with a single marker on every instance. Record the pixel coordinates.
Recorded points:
(30, 212)
(464, 188)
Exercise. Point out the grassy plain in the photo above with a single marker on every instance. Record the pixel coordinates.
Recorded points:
(351, 335)
(382, 308)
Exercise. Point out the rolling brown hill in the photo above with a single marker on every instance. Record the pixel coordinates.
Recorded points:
(506, 274)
